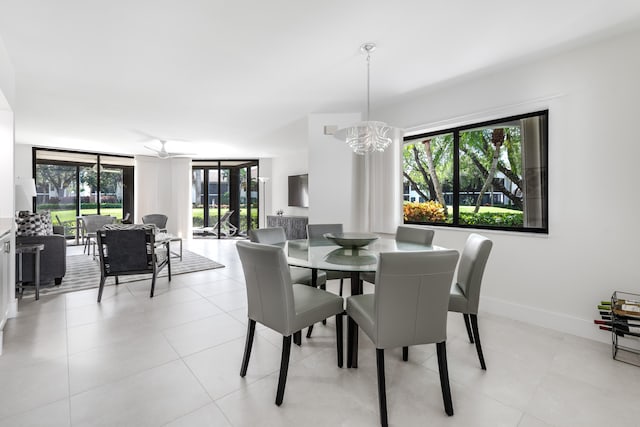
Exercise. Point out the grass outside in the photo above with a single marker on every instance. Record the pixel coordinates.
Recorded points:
(198, 217)
(70, 214)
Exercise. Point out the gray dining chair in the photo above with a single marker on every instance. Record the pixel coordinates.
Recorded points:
(408, 234)
(286, 307)
(409, 307)
(159, 220)
(465, 290)
(317, 231)
(277, 236)
(90, 226)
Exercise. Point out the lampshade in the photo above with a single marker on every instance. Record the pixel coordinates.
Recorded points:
(25, 192)
(368, 136)
(27, 186)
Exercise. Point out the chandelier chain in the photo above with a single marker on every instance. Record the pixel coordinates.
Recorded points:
(368, 84)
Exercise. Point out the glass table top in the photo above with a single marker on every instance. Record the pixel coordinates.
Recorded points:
(324, 255)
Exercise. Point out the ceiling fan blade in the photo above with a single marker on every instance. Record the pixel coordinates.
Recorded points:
(181, 154)
(152, 149)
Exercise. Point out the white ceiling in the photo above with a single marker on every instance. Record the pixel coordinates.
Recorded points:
(232, 78)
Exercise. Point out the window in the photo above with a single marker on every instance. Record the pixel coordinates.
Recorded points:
(70, 184)
(486, 175)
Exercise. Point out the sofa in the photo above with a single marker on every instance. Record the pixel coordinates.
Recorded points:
(37, 228)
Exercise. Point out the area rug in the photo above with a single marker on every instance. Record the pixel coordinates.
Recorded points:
(83, 272)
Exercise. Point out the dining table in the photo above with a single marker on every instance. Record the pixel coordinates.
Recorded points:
(323, 254)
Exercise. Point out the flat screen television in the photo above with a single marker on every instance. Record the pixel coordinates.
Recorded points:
(299, 190)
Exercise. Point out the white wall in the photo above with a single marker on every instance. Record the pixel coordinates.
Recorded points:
(592, 94)
(8, 305)
(7, 80)
(330, 171)
(22, 160)
(7, 143)
(6, 163)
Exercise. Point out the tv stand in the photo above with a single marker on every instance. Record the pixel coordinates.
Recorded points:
(295, 227)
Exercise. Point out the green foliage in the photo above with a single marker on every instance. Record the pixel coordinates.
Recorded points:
(498, 219)
(72, 206)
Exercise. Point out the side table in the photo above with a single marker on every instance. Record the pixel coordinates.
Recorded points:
(163, 237)
(29, 248)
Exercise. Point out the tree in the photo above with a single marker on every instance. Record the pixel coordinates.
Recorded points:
(428, 167)
(480, 153)
(497, 138)
(433, 175)
(60, 177)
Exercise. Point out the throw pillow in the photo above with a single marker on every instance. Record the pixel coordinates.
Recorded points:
(47, 224)
(34, 224)
(30, 225)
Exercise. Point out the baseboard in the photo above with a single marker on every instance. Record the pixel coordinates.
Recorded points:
(12, 309)
(547, 319)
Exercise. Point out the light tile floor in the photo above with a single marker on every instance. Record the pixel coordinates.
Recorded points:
(174, 361)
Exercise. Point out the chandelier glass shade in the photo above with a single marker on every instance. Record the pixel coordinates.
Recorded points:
(368, 136)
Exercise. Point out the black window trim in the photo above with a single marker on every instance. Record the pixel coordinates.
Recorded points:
(456, 172)
(35, 161)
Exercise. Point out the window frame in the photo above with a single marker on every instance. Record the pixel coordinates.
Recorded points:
(128, 170)
(455, 206)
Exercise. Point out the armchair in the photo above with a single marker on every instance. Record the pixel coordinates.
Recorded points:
(53, 258)
(159, 220)
(131, 251)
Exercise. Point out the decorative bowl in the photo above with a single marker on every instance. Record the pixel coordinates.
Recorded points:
(359, 257)
(351, 240)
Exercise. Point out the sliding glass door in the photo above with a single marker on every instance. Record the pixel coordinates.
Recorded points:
(71, 184)
(224, 197)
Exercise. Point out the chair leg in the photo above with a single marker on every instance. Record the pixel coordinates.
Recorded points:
(341, 286)
(324, 288)
(153, 284)
(297, 338)
(339, 339)
(168, 261)
(382, 393)
(352, 343)
(309, 330)
(102, 279)
(468, 325)
(476, 335)
(284, 367)
(247, 347)
(441, 348)
(405, 353)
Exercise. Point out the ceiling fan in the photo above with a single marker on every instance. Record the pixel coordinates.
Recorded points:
(162, 153)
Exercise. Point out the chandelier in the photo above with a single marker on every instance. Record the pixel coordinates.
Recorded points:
(368, 136)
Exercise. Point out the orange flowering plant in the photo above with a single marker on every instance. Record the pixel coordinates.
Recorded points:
(429, 211)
